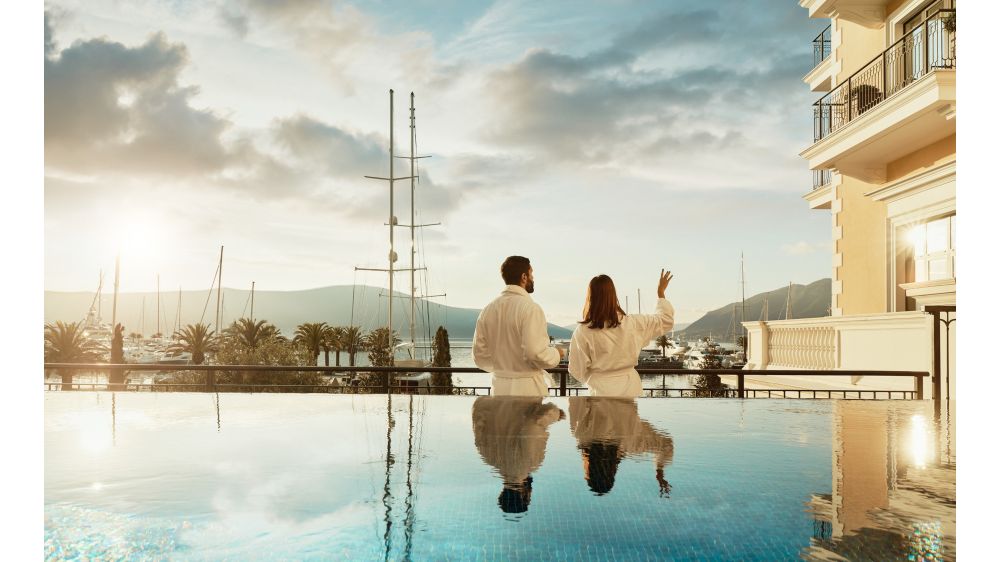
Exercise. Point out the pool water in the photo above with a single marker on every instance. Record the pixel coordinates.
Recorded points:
(192, 476)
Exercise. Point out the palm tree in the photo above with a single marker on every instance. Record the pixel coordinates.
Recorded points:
(251, 334)
(354, 341)
(663, 342)
(333, 340)
(66, 343)
(311, 336)
(196, 339)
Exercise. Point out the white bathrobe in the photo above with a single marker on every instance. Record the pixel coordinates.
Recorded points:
(604, 359)
(610, 420)
(512, 342)
(511, 434)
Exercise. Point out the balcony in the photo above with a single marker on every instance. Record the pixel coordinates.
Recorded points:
(901, 101)
(899, 340)
(821, 47)
(821, 196)
(820, 78)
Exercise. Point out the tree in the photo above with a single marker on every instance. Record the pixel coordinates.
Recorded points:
(66, 343)
(442, 358)
(311, 336)
(333, 340)
(196, 339)
(272, 351)
(709, 384)
(380, 343)
(354, 341)
(663, 342)
(251, 334)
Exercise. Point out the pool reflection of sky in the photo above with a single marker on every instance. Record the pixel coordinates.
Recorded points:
(200, 476)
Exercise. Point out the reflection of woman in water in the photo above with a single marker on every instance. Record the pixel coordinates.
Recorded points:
(511, 434)
(609, 429)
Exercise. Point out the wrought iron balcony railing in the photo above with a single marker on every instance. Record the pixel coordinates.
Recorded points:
(821, 178)
(821, 47)
(928, 47)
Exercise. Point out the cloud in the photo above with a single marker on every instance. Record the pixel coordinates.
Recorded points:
(109, 107)
(664, 99)
(341, 37)
(801, 248)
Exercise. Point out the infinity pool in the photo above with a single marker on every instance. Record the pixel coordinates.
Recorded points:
(352, 477)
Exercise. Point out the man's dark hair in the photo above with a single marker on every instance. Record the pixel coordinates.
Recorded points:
(514, 498)
(512, 269)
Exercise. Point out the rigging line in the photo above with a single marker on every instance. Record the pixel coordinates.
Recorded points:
(245, 306)
(209, 299)
(354, 289)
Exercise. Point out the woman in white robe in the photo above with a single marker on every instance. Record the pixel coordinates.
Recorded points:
(606, 344)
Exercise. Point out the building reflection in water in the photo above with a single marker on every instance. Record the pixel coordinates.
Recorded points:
(609, 429)
(511, 434)
(893, 485)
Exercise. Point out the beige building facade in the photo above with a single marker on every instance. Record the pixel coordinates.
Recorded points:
(884, 168)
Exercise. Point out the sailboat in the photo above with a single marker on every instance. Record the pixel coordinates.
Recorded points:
(411, 358)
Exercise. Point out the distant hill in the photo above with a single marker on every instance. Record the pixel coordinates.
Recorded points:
(285, 309)
(677, 327)
(808, 301)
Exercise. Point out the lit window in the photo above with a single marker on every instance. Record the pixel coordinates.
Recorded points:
(933, 244)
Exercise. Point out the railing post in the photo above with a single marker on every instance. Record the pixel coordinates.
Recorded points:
(918, 382)
(850, 101)
(927, 38)
(562, 383)
(740, 385)
(936, 367)
(885, 79)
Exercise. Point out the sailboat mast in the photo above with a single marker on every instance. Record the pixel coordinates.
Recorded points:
(638, 299)
(252, 285)
(179, 295)
(218, 294)
(114, 303)
(392, 215)
(100, 287)
(743, 299)
(413, 229)
(788, 302)
(158, 304)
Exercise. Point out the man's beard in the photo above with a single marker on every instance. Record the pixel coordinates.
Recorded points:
(530, 287)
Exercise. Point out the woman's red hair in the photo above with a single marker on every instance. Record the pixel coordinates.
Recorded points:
(602, 309)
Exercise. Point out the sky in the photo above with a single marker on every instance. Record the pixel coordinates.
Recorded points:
(611, 137)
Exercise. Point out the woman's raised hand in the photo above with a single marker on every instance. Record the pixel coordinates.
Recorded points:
(665, 277)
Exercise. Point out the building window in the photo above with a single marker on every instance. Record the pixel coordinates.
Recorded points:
(934, 249)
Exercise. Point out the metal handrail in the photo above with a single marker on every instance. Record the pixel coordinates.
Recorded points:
(821, 47)
(865, 95)
(211, 386)
(821, 178)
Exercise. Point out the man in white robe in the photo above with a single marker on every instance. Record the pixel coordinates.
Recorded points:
(511, 339)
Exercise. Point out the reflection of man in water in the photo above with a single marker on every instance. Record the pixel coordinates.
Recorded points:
(607, 430)
(511, 434)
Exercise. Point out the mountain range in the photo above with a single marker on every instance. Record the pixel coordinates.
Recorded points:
(808, 301)
(366, 306)
(335, 305)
